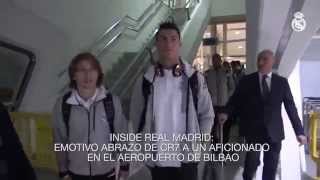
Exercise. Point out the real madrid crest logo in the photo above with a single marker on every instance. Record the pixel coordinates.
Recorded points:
(298, 23)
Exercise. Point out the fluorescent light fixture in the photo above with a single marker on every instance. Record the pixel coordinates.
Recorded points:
(316, 37)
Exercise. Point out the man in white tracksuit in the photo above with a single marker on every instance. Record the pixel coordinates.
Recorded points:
(171, 98)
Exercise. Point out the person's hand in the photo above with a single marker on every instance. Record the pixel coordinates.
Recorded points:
(302, 139)
(222, 118)
(123, 175)
(66, 177)
(112, 174)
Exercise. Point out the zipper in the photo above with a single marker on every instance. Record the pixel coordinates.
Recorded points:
(90, 166)
(89, 129)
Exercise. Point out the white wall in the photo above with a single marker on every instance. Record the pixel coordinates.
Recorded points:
(310, 70)
(82, 20)
(292, 157)
(47, 42)
(55, 31)
(299, 41)
(310, 73)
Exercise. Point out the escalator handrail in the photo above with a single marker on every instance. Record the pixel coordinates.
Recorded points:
(112, 28)
(147, 49)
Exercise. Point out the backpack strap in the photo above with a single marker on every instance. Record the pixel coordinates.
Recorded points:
(194, 85)
(110, 111)
(108, 106)
(146, 90)
(66, 108)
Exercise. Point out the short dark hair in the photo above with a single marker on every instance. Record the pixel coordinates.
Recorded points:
(168, 25)
(216, 55)
(84, 56)
(235, 63)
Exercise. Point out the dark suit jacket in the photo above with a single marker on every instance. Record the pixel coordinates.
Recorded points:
(15, 165)
(259, 117)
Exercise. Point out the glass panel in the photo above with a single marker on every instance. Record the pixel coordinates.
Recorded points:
(220, 32)
(239, 25)
(219, 49)
(232, 58)
(206, 50)
(233, 49)
(236, 48)
(236, 34)
(207, 33)
(13, 67)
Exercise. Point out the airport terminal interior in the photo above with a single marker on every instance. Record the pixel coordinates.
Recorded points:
(38, 39)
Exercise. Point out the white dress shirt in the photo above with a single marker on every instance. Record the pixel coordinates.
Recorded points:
(86, 103)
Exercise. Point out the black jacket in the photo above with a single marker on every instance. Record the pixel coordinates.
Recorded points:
(14, 164)
(259, 117)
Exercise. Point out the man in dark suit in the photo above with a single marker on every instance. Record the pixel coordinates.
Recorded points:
(257, 101)
(14, 164)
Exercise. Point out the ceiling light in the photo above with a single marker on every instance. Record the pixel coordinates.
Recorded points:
(316, 37)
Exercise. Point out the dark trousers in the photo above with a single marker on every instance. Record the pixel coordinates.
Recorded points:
(188, 171)
(96, 177)
(270, 162)
(215, 131)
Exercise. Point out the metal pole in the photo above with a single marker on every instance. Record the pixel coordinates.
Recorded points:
(221, 141)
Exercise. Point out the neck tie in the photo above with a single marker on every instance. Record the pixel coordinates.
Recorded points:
(265, 88)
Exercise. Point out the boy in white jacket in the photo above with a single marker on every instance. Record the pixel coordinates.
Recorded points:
(88, 114)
